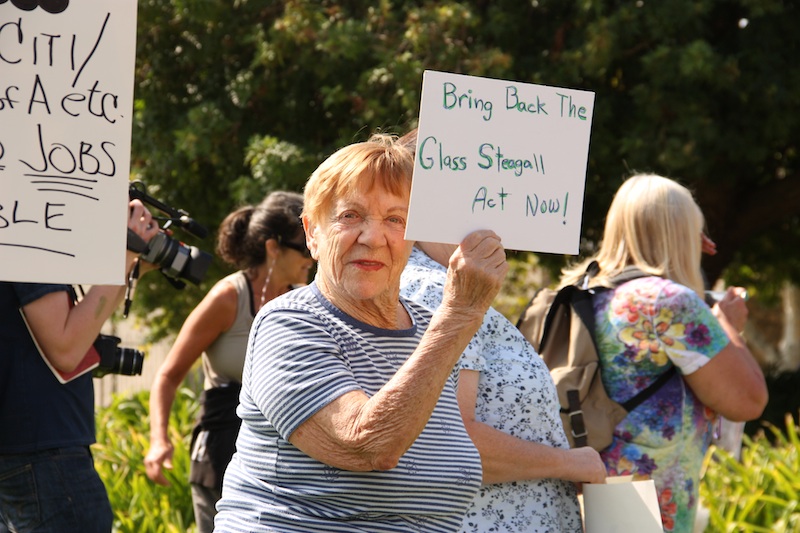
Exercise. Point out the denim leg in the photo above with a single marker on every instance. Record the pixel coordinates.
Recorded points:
(56, 491)
(19, 506)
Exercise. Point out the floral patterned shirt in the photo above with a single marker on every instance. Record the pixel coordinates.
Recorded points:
(643, 327)
(515, 395)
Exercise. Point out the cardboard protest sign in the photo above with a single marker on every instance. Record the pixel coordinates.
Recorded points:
(500, 155)
(66, 105)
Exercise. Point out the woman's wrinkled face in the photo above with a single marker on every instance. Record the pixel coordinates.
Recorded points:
(360, 246)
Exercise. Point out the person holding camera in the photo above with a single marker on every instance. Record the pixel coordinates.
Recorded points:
(267, 244)
(48, 482)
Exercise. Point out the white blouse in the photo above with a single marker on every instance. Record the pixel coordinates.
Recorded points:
(515, 395)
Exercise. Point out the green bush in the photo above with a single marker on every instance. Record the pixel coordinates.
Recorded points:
(123, 438)
(758, 493)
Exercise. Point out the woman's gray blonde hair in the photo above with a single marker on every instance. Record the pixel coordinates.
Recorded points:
(654, 224)
(381, 160)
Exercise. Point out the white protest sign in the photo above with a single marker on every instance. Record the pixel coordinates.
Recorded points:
(621, 505)
(66, 105)
(500, 155)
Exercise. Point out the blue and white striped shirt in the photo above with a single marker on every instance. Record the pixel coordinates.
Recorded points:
(302, 354)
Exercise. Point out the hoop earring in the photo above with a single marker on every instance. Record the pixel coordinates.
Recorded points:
(264, 288)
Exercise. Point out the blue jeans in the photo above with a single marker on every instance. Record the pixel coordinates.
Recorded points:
(53, 491)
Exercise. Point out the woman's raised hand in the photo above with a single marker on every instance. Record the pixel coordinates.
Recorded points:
(476, 272)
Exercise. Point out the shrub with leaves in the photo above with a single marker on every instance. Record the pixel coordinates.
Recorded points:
(123, 438)
(760, 492)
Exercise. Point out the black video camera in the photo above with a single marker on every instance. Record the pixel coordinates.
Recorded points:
(115, 359)
(175, 259)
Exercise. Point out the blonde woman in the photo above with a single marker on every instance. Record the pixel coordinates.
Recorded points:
(649, 324)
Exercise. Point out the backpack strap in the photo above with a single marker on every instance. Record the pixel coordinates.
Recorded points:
(581, 302)
(573, 296)
(575, 413)
(651, 389)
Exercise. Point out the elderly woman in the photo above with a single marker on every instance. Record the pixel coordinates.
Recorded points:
(349, 416)
(510, 409)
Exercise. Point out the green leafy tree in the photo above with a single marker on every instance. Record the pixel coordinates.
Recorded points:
(234, 99)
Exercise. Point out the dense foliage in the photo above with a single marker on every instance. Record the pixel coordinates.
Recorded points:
(123, 438)
(755, 494)
(234, 99)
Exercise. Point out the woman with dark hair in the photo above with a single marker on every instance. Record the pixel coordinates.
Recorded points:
(266, 243)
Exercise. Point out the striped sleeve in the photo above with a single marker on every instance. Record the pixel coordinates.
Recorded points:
(296, 368)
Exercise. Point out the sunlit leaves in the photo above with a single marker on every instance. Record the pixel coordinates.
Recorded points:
(123, 438)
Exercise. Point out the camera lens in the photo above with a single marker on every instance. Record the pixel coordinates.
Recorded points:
(176, 259)
(129, 362)
(116, 360)
(198, 264)
(159, 250)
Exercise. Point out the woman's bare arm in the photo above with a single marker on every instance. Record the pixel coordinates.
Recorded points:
(507, 458)
(357, 432)
(732, 382)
